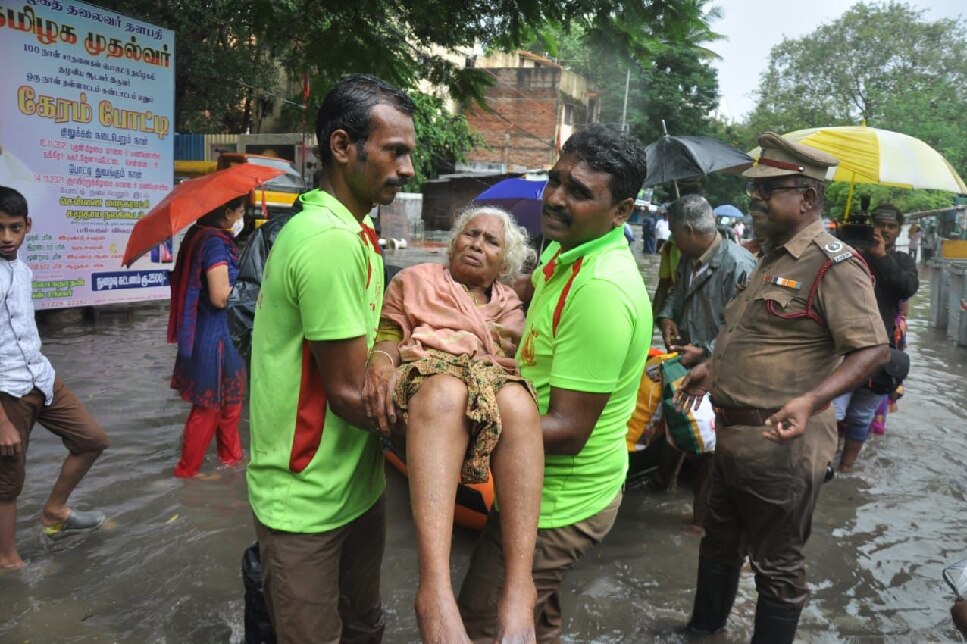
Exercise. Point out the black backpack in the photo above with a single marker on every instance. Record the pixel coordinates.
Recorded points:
(245, 293)
(891, 375)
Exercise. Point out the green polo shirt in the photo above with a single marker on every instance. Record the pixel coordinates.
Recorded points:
(594, 339)
(310, 470)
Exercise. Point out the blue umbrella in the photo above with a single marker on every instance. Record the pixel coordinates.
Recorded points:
(728, 210)
(521, 197)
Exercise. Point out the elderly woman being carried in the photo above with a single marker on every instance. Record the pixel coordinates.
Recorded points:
(444, 358)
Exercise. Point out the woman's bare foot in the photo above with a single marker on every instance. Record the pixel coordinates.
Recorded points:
(439, 618)
(515, 615)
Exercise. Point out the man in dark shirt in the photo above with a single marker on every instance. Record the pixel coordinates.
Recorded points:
(896, 280)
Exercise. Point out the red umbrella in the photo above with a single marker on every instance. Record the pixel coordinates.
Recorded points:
(189, 201)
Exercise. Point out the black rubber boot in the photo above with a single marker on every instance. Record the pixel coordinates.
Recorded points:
(714, 596)
(775, 622)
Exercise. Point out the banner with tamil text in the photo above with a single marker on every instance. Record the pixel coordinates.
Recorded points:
(86, 120)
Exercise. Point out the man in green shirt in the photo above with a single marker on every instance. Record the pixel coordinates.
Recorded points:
(584, 347)
(316, 473)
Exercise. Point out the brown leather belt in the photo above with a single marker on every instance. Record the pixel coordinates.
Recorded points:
(727, 416)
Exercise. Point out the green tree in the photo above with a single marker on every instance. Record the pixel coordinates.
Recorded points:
(659, 49)
(219, 65)
(660, 54)
(229, 54)
(906, 200)
(444, 138)
(679, 90)
(227, 51)
(882, 64)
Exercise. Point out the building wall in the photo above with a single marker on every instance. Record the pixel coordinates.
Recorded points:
(536, 105)
(521, 132)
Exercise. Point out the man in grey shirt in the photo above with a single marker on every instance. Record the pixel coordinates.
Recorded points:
(712, 269)
(710, 272)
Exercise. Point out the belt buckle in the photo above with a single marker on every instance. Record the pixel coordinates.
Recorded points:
(719, 412)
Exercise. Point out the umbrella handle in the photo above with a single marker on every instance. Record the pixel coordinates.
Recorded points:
(849, 197)
(265, 210)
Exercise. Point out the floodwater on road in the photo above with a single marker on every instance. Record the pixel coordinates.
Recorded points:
(166, 565)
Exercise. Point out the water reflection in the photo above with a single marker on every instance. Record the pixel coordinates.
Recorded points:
(165, 567)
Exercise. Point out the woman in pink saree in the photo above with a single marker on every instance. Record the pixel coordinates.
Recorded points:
(444, 357)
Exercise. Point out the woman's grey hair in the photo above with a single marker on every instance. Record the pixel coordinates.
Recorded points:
(694, 211)
(517, 251)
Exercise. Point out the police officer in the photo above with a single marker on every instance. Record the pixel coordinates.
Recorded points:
(805, 330)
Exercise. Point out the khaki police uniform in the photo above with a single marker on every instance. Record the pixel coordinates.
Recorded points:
(809, 302)
(773, 348)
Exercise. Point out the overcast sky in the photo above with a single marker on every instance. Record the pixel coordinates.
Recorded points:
(753, 27)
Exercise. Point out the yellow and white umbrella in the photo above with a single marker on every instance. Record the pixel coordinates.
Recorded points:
(881, 157)
(871, 155)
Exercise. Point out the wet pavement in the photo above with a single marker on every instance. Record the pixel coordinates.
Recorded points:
(165, 567)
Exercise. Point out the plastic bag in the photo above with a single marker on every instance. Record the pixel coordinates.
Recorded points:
(689, 430)
(645, 422)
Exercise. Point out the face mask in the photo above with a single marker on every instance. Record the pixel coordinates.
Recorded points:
(237, 227)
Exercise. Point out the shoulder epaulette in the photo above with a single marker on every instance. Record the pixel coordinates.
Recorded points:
(834, 249)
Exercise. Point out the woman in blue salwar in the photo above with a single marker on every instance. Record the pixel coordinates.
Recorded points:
(209, 372)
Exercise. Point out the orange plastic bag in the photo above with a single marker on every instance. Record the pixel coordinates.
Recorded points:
(645, 422)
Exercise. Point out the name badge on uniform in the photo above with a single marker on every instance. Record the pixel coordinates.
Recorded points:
(782, 281)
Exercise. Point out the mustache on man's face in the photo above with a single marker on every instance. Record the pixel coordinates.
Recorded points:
(396, 182)
(557, 211)
(758, 205)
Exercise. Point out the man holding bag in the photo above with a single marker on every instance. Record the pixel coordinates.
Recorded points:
(787, 348)
(707, 278)
(711, 271)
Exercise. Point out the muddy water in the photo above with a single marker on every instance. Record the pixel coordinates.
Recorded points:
(165, 568)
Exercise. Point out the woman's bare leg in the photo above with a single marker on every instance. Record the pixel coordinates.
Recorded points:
(436, 442)
(518, 468)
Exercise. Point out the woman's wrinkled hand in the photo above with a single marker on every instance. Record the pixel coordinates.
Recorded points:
(378, 388)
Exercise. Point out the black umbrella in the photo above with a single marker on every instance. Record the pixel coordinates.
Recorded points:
(671, 158)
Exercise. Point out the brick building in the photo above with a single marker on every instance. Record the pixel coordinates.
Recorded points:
(536, 105)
